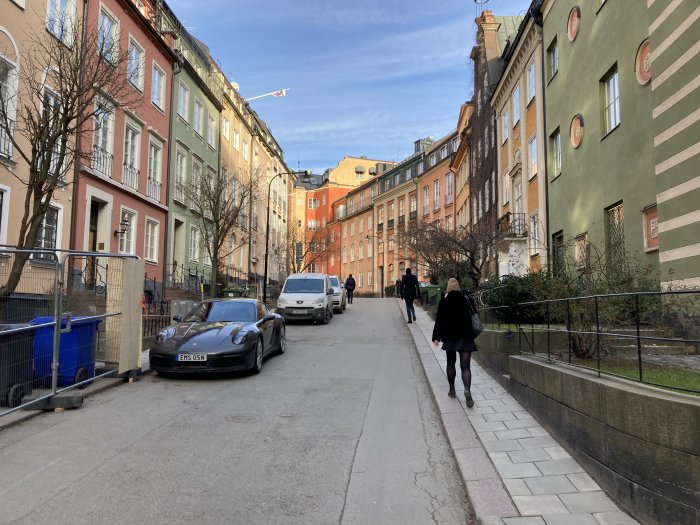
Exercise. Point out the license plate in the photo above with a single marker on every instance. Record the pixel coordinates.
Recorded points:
(192, 357)
(301, 312)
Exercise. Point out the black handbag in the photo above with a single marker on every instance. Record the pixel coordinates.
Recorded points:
(477, 325)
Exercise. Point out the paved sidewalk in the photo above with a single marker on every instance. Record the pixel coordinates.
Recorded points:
(514, 471)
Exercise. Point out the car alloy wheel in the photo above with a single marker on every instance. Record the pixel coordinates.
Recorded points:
(283, 340)
(326, 317)
(257, 365)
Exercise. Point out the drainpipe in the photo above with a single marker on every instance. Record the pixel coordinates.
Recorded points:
(176, 70)
(536, 13)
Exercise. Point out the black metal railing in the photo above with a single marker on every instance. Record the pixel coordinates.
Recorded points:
(390, 224)
(402, 220)
(649, 337)
(102, 161)
(413, 216)
(130, 176)
(380, 227)
(513, 225)
(6, 146)
(187, 278)
(153, 189)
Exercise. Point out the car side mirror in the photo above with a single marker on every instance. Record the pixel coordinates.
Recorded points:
(177, 318)
(329, 291)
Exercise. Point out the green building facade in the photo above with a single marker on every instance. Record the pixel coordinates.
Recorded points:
(197, 102)
(674, 30)
(600, 159)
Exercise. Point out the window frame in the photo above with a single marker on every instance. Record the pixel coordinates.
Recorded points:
(183, 105)
(198, 118)
(62, 26)
(149, 236)
(114, 34)
(133, 43)
(533, 164)
(516, 104)
(556, 153)
(531, 82)
(161, 95)
(130, 235)
(552, 59)
(611, 108)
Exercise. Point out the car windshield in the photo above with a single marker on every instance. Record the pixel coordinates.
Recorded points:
(303, 286)
(334, 282)
(222, 311)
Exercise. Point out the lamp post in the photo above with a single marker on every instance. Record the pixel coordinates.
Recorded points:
(304, 178)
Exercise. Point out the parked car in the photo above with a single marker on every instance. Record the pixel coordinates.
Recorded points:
(219, 335)
(306, 296)
(340, 296)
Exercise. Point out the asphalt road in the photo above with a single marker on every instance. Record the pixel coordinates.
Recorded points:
(340, 429)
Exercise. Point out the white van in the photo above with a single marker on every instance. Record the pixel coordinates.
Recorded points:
(306, 296)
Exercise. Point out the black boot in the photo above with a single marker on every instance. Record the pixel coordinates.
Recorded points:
(452, 393)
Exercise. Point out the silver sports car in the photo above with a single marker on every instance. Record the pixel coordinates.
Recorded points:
(219, 335)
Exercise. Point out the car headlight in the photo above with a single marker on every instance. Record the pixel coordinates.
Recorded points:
(240, 337)
(165, 334)
(320, 299)
(281, 303)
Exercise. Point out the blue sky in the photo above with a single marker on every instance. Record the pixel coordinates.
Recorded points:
(367, 77)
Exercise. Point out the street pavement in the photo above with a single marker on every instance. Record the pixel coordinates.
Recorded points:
(342, 428)
(514, 471)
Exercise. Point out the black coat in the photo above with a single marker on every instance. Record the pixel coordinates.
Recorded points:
(409, 286)
(453, 319)
(350, 284)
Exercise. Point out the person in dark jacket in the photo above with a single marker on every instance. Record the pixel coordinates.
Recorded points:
(454, 328)
(350, 287)
(409, 292)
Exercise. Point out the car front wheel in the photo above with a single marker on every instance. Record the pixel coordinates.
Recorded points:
(326, 316)
(283, 340)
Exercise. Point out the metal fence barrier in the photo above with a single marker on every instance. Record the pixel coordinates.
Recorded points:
(650, 337)
(59, 323)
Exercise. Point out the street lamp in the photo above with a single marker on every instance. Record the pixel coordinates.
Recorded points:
(304, 178)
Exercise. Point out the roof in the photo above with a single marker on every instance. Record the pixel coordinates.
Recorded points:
(507, 29)
(315, 183)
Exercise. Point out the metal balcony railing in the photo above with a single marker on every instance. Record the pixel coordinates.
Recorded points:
(380, 227)
(402, 220)
(179, 194)
(412, 216)
(102, 161)
(6, 139)
(513, 225)
(390, 224)
(153, 190)
(130, 176)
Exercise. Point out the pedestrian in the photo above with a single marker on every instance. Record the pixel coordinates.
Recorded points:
(397, 285)
(409, 292)
(454, 328)
(350, 287)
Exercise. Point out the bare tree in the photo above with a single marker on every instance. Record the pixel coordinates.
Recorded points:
(64, 75)
(307, 247)
(221, 202)
(463, 252)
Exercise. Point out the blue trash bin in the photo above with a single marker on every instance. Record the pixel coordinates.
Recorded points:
(76, 357)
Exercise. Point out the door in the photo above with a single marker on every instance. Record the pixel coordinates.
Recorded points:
(91, 265)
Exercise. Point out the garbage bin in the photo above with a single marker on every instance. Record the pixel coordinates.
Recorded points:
(76, 356)
(16, 363)
(234, 291)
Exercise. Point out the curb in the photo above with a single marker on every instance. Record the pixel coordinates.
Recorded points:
(486, 493)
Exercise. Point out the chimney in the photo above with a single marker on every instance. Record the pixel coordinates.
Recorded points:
(422, 144)
(487, 33)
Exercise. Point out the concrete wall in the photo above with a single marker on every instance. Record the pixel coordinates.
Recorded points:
(639, 443)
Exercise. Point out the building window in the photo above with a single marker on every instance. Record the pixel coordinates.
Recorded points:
(135, 64)
(432, 160)
(532, 152)
(612, 100)
(132, 147)
(420, 168)
(127, 238)
(151, 243)
(61, 20)
(195, 241)
(344, 254)
(413, 203)
(313, 204)
(443, 152)
(51, 106)
(369, 279)
(506, 188)
(102, 156)
(553, 58)
(225, 128)
(183, 101)
(582, 252)
(651, 229)
(198, 117)
(426, 200)
(359, 280)
(360, 250)
(180, 170)
(369, 249)
(556, 153)
(158, 87)
(312, 225)
(558, 252)
(107, 35)
(360, 227)
(516, 105)
(436, 194)
(48, 234)
(530, 82)
(245, 150)
(155, 162)
(505, 126)
(211, 131)
(448, 188)
(236, 139)
(352, 228)
(195, 181)
(534, 234)
(352, 252)
(408, 173)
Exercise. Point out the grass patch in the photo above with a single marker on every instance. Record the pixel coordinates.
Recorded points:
(660, 375)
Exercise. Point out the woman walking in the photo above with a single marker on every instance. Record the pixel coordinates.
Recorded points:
(453, 327)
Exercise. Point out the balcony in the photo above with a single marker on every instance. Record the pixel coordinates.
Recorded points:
(179, 194)
(130, 176)
(6, 140)
(390, 225)
(413, 216)
(102, 161)
(380, 227)
(154, 189)
(513, 225)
